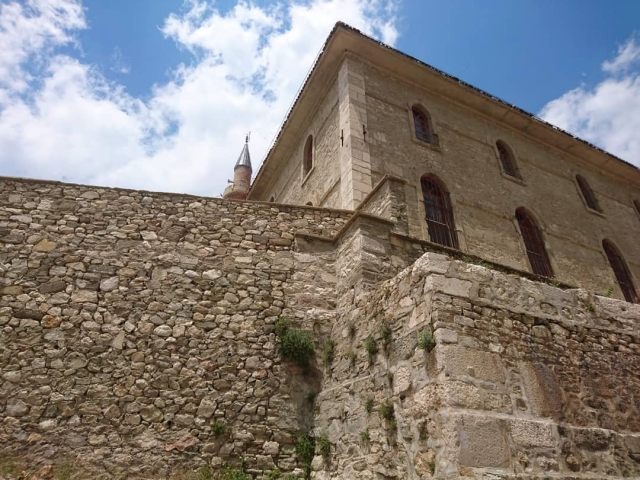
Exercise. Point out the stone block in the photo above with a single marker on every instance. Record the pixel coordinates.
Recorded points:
(461, 361)
(528, 434)
(429, 263)
(449, 286)
(542, 389)
(483, 443)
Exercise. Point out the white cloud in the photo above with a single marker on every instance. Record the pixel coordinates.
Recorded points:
(70, 123)
(607, 114)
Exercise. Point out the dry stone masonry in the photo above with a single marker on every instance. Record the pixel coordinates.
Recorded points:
(137, 341)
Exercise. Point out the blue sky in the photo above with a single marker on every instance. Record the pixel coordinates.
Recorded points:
(157, 94)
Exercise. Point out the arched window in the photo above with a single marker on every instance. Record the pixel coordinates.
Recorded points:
(532, 237)
(587, 193)
(620, 270)
(307, 162)
(507, 160)
(272, 199)
(309, 204)
(422, 126)
(438, 212)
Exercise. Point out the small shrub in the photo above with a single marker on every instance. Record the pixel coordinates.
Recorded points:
(205, 473)
(392, 425)
(352, 330)
(386, 333)
(274, 474)
(282, 326)
(591, 307)
(386, 410)
(290, 476)
(324, 446)
(426, 341)
(63, 471)
(218, 428)
(608, 293)
(328, 352)
(305, 449)
(432, 467)
(296, 345)
(368, 405)
(234, 474)
(371, 346)
(352, 357)
(364, 436)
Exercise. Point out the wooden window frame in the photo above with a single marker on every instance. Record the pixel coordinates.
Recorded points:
(439, 212)
(434, 141)
(621, 271)
(587, 195)
(534, 244)
(308, 157)
(509, 165)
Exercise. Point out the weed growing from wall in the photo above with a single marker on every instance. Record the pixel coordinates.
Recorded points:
(426, 341)
(371, 346)
(218, 428)
(324, 446)
(328, 352)
(295, 344)
(305, 449)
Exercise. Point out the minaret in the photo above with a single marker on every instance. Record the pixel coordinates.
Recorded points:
(239, 188)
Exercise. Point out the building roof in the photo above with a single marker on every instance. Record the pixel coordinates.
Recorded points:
(344, 38)
(244, 160)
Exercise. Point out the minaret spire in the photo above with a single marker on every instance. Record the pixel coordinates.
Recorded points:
(242, 171)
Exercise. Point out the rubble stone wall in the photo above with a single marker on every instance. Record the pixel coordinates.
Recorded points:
(523, 380)
(135, 326)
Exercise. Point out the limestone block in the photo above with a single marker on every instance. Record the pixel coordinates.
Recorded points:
(401, 379)
(461, 361)
(527, 433)
(483, 443)
(449, 286)
(44, 246)
(429, 263)
(542, 389)
(84, 296)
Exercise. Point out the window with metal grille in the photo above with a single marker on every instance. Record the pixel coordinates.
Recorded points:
(438, 212)
(587, 193)
(507, 160)
(308, 156)
(621, 271)
(532, 237)
(422, 125)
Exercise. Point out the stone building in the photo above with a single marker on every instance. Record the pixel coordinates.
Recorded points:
(491, 179)
(137, 329)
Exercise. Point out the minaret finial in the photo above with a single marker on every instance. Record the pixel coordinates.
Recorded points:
(248, 137)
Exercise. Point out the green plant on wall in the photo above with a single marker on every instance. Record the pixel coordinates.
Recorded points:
(295, 344)
(385, 333)
(324, 446)
(218, 428)
(328, 352)
(305, 450)
(371, 346)
(426, 341)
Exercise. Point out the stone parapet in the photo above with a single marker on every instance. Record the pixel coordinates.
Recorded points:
(520, 380)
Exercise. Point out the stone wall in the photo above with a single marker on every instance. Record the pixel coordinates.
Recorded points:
(137, 341)
(523, 380)
(135, 325)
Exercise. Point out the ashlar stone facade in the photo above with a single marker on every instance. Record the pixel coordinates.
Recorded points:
(358, 102)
